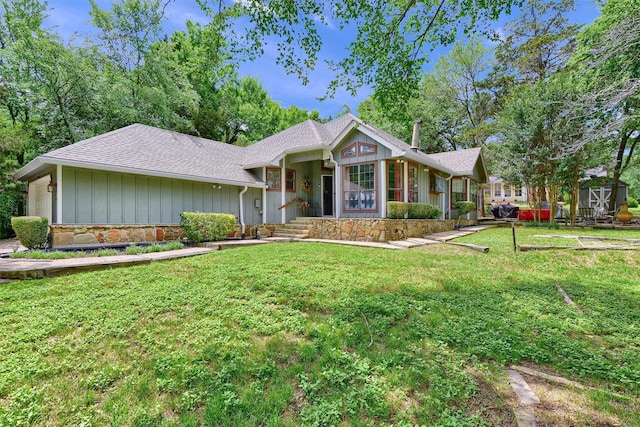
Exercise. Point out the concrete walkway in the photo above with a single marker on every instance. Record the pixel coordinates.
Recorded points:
(21, 268)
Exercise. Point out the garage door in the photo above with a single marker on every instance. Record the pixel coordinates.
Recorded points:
(40, 200)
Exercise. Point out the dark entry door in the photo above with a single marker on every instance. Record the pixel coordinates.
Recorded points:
(327, 195)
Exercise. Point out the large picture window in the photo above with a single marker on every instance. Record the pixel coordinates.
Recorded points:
(360, 187)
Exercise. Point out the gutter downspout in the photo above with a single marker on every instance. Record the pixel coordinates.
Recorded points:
(242, 209)
(336, 182)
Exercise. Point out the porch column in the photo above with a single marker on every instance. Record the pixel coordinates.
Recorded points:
(59, 194)
(283, 190)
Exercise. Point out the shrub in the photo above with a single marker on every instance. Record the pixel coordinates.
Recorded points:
(423, 211)
(464, 207)
(397, 210)
(201, 227)
(32, 231)
(632, 202)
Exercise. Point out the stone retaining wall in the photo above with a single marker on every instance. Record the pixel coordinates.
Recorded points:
(376, 230)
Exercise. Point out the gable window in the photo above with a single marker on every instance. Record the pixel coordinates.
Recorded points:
(360, 187)
(413, 183)
(350, 151)
(274, 179)
(458, 190)
(364, 148)
(394, 182)
(359, 149)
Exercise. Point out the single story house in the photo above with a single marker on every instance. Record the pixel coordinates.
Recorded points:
(499, 191)
(145, 176)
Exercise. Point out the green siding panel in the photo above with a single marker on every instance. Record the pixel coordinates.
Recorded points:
(84, 193)
(129, 199)
(115, 199)
(100, 198)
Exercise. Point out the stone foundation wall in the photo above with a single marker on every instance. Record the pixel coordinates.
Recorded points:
(69, 235)
(376, 230)
(84, 235)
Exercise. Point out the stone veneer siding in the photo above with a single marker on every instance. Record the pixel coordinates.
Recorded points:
(85, 235)
(376, 230)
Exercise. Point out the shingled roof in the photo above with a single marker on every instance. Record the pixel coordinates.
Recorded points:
(147, 150)
(151, 151)
(462, 162)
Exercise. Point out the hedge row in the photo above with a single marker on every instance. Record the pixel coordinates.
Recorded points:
(206, 227)
(400, 210)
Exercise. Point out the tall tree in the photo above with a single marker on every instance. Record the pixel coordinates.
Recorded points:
(146, 85)
(392, 40)
(608, 61)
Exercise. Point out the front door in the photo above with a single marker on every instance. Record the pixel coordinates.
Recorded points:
(327, 195)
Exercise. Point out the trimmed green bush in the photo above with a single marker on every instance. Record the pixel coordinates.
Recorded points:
(464, 207)
(32, 231)
(397, 210)
(205, 227)
(632, 202)
(423, 211)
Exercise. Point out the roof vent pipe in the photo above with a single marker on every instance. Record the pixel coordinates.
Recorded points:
(415, 139)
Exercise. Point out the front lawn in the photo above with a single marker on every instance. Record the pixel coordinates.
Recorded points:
(319, 334)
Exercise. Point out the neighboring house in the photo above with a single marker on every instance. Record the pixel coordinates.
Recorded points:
(141, 175)
(499, 191)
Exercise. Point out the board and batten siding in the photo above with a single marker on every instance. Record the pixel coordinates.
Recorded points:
(98, 197)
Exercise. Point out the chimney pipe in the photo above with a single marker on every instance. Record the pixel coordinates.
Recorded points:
(415, 139)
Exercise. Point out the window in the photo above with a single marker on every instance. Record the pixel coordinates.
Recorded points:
(507, 190)
(394, 182)
(360, 187)
(518, 192)
(364, 148)
(359, 149)
(458, 190)
(413, 183)
(350, 151)
(436, 183)
(497, 189)
(290, 180)
(473, 192)
(274, 180)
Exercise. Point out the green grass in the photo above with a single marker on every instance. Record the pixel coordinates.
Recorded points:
(161, 247)
(319, 334)
(131, 250)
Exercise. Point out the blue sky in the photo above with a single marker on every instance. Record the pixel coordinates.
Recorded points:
(67, 17)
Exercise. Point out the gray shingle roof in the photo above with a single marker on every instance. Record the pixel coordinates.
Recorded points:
(462, 162)
(151, 151)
